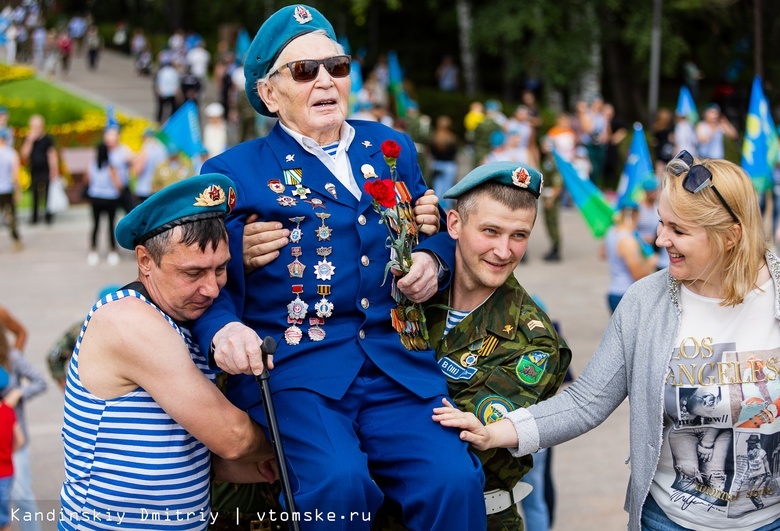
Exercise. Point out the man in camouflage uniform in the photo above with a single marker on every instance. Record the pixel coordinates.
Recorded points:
(497, 347)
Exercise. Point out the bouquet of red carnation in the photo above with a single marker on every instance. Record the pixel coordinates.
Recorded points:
(392, 200)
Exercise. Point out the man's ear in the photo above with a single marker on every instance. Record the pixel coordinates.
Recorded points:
(144, 260)
(454, 223)
(267, 93)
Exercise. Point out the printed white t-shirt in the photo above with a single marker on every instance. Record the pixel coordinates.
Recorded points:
(720, 457)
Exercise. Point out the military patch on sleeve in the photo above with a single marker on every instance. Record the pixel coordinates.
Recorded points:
(535, 323)
(530, 367)
(493, 408)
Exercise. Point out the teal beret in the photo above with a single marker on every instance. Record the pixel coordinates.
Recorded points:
(204, 196)
(278, 31)
(504, 172)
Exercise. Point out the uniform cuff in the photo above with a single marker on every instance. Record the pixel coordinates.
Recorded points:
(527, 433)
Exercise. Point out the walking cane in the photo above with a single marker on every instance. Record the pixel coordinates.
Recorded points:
(269, 347)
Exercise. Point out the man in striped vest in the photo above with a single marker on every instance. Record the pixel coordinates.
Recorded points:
(142, 415)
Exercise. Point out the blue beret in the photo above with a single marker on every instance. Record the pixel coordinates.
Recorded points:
(503, 172)
(278, 31)
(204, 196)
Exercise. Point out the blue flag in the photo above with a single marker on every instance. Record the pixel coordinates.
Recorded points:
(182, 131)
(242, 45)
(686, 106)
(397, 84)
(111, 119)
(760, 147)
(638, 168)
(590, 201)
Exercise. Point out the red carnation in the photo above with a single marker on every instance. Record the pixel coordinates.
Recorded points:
(382, 190)
(391, 149)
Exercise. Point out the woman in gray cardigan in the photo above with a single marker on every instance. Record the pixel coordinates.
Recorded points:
(696, 349)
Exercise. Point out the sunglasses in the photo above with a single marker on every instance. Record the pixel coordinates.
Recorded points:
(308, 69)
(699, 178)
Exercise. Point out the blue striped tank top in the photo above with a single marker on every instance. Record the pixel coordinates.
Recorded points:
(128, 464)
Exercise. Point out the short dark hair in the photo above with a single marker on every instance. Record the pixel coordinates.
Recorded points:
(209, 231)
(510, 196)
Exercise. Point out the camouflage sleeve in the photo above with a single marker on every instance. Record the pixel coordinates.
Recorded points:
(60, 353)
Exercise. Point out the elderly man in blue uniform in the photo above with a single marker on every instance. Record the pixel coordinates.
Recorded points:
(353, 403)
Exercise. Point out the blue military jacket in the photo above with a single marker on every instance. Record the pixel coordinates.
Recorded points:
(351, 279)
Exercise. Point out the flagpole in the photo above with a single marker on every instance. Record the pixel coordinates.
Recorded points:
(655, 61)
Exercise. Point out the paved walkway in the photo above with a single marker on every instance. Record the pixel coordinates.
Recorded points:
(49, 286)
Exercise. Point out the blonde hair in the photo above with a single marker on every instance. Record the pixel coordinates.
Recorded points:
(741, 262)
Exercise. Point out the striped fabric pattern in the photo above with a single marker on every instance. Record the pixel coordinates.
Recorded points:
(125, 458)
(331, 149)
(453, 318)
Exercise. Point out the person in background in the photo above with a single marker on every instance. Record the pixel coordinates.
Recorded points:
(711, 131)
(24, 383)
(176, 167)
(629, 258)
(647, 224)
(701, 323)
(167, 88)
(11, 438)
(39, 153)
(145, 162)
(215, 133)
(443, 148)
(94, 44)
(120, 158)
(10, 188)
(104, 190)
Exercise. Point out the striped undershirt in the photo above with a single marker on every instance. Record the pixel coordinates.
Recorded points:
(127, 457)
(453, 318)
(331, 149)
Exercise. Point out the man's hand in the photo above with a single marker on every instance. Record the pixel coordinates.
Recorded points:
(426, 213)
(422, 281)
(238, 350)
(262, 241)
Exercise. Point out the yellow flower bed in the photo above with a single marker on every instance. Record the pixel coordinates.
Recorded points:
(15, 73)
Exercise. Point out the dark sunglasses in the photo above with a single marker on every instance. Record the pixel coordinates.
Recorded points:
(699, 178)
(308, 69)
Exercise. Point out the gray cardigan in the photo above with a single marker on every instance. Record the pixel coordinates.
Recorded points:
(631, 361)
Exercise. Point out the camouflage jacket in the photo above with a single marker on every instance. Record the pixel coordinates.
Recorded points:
(59, 355)
(504, 355)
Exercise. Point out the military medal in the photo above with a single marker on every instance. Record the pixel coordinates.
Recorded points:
(324, 270)
(366, 143)
(331, 188)
(324, 307)
(296, 268)
(316, 203)
(293, 177)
(368, 171)
(297, 309)
(323, 231)
(289, 158)
(293, 335)
(286, 201)
(296, 234)
(301, 191)
(276, 186)
(315, 332)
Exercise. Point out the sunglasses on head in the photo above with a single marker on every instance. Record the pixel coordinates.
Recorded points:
(699, 178)
(308, 69)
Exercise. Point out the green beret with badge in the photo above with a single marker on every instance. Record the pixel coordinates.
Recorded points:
(274, 35)
(504, 172)
(204, 196)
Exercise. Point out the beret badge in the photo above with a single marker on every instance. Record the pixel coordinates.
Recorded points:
(212, 196)
(302, 15)
(521, 178)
